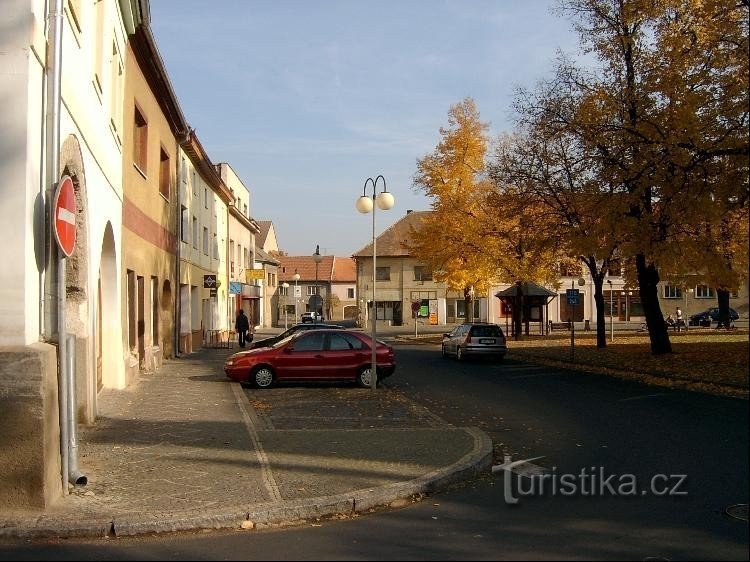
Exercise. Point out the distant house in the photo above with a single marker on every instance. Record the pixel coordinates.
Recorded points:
(403, 282)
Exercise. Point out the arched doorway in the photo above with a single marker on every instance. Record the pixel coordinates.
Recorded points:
(107, 333)
(78, 293)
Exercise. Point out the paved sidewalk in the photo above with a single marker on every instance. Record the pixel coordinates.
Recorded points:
(185, 448)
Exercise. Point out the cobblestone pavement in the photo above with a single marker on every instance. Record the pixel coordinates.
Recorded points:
(185, 448)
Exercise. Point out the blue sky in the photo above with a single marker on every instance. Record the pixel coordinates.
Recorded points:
(306, 99)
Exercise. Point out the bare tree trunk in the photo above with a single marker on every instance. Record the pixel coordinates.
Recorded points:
(598, 277)
(648, 279)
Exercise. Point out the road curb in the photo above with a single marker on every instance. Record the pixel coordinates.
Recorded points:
(475, 462)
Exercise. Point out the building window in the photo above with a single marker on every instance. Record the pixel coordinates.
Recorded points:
(244, 258)
(195, 233)
(570, 269)
(205, 240)
(184, 224)
(704, 292)
(350, 293)
(383, 274)
(115, 95)
(216, 247)
(311, 290)
(194, 177)
(244, 206)
(164, 178)
(140, 141)
(99, 47)
(422, 295)
(672, 292)
(205, 197)
(734, 294)
(422, 273)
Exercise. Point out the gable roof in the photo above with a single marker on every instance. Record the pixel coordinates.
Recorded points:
(263, 257)
(393, 242)
(305, 266)
(344, 270)
(265, 228)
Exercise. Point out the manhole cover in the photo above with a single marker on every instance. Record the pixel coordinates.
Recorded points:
(738, 511)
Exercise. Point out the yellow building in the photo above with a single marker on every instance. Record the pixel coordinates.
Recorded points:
(153, 126)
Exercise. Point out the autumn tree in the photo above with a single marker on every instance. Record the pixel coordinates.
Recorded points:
(452, 176)
(662, 113)
(555, 172)
(476, 234)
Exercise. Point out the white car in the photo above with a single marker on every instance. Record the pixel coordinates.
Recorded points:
(312, 317)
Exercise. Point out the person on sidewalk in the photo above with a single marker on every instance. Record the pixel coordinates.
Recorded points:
(242, 326)
(680, 322)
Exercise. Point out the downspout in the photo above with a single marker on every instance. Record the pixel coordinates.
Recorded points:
(51, 282)
(178, 292)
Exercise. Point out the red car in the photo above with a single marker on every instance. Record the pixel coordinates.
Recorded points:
(315, 355)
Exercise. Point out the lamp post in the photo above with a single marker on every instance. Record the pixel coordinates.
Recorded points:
(296, 312)
(317, 258)
(611, 319)
(364, 205)
(285, 285)
(471, 303)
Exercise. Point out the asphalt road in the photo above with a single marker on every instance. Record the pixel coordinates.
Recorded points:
(583, 425)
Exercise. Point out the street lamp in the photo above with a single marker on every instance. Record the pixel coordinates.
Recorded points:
(285, 285)
(317, 258)
(296, 312)
(611, 319)
(471, 303)
(365, 204)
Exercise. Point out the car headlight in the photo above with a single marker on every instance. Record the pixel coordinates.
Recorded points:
(229, 363)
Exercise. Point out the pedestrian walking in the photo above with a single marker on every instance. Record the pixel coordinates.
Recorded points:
(242, 326)
(680, 322)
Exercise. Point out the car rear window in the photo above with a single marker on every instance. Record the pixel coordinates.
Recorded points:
(486, 332)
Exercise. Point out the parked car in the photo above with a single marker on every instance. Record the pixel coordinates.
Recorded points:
(268, 342)
(475, 339)
(711, 315)
(312, 317)
(312, 355)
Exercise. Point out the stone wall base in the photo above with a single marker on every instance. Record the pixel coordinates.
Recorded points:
(29, 427)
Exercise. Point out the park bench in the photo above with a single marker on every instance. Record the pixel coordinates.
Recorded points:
(559, 326)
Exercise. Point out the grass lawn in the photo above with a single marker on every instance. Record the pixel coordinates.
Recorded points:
(706, 361)
(715, 362)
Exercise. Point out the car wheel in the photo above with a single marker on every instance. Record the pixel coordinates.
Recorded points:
(460, 353)
(263, 377)
(364, 378)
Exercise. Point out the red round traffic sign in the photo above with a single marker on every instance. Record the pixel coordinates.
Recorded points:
(65, 216)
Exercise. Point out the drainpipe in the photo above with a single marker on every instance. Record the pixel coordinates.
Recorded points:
(52, 283)
(75, 476)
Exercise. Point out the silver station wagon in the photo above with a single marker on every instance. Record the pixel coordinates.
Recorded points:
(475, 339)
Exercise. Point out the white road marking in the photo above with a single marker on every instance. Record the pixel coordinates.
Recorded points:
(265, 466)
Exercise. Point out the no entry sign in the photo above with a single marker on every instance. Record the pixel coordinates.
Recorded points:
(65, 216)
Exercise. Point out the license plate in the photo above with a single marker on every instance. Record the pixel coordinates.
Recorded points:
(486, 341)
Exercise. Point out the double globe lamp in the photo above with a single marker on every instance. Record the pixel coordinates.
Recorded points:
(365, 204)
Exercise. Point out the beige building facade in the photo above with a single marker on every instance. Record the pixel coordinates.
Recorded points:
(153, 128)
(204, 232)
